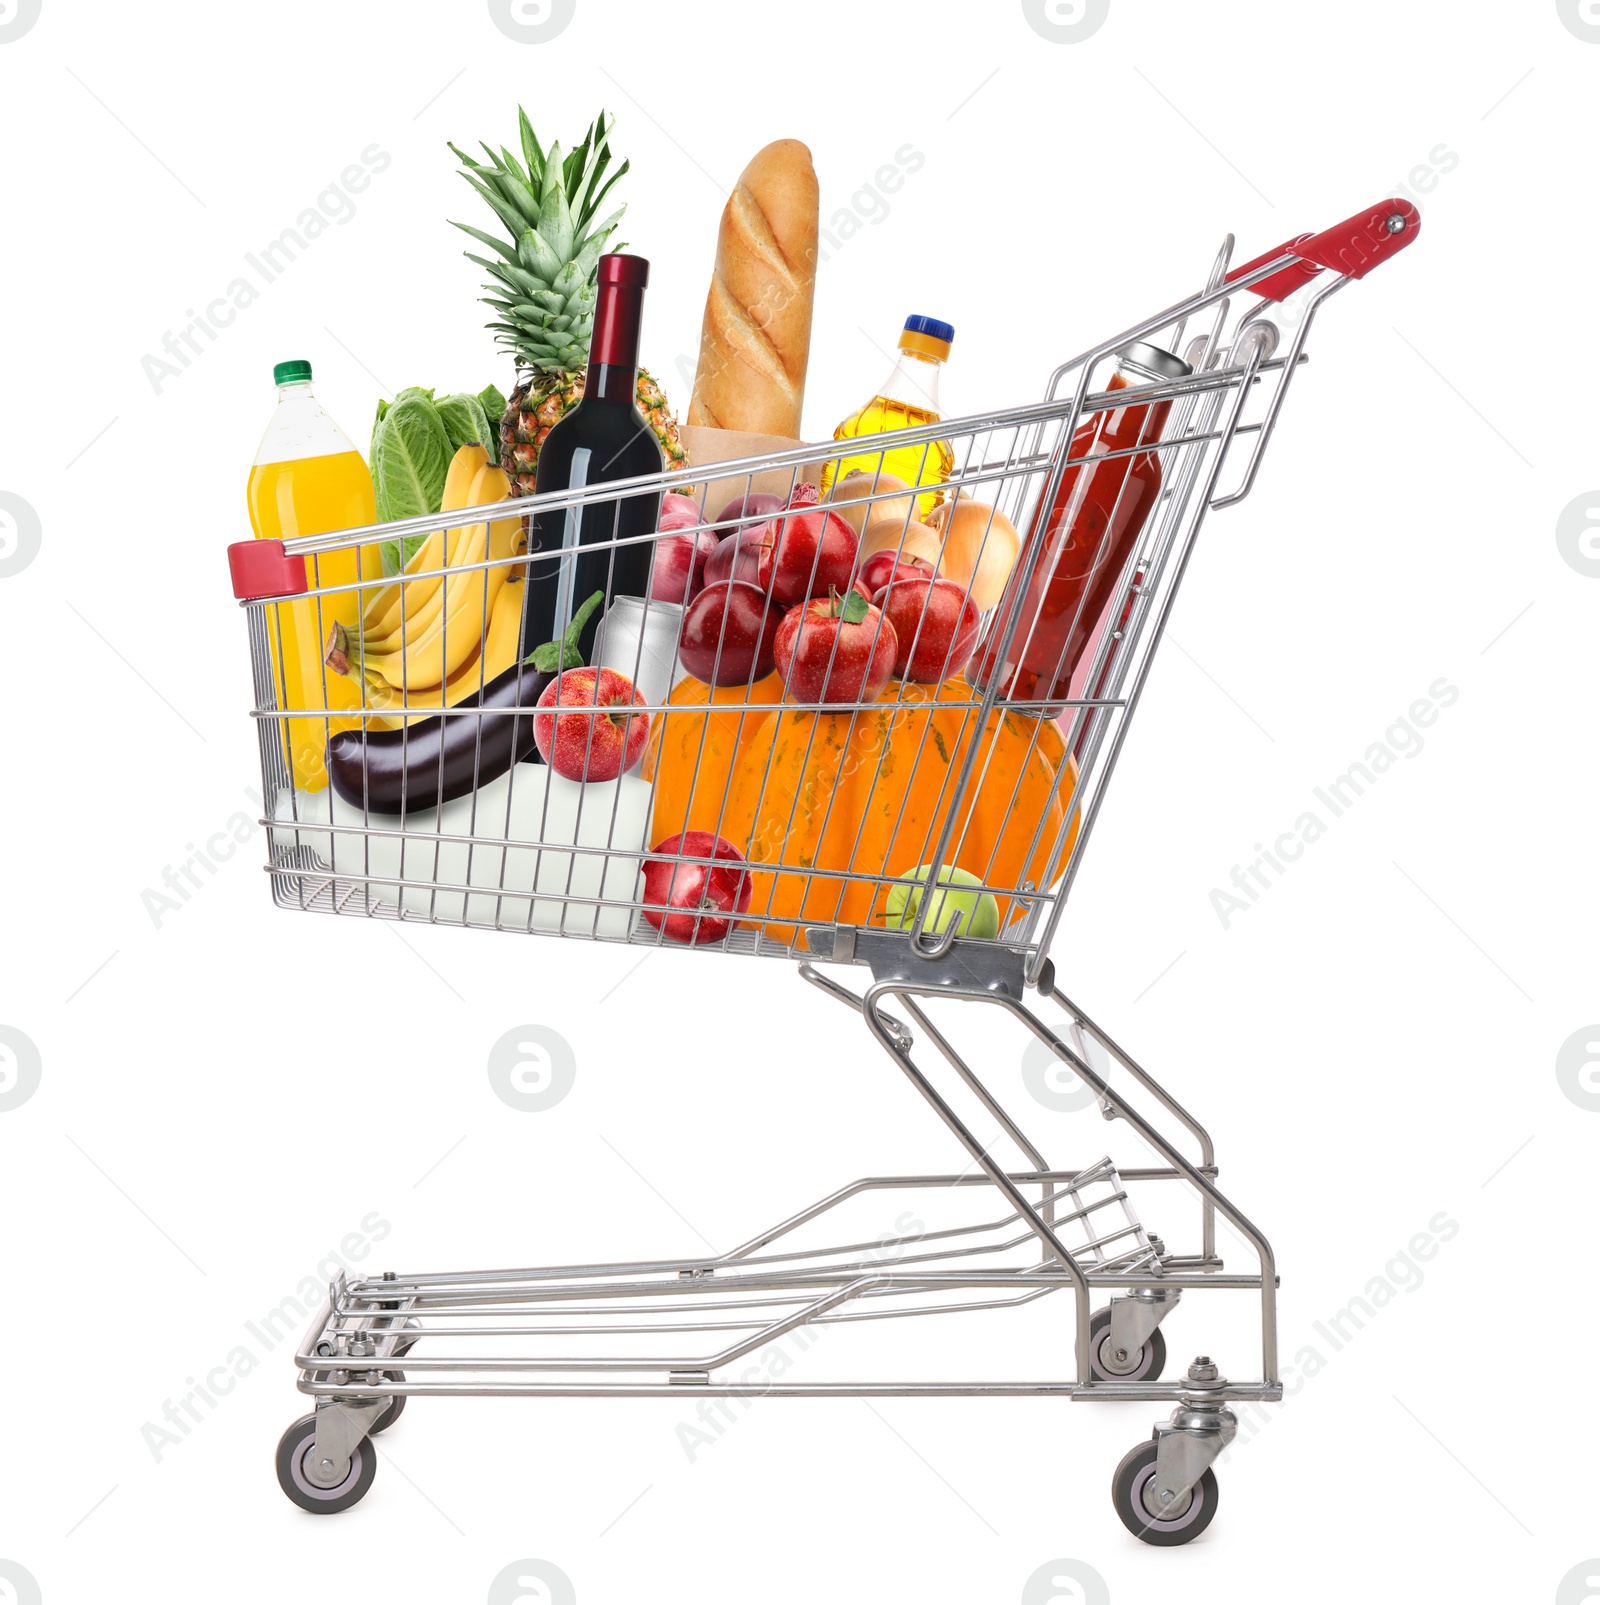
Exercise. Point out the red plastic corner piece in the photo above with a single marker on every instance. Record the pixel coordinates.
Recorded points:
(262, 569)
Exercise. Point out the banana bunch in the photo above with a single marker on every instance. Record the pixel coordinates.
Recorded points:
(430, 637)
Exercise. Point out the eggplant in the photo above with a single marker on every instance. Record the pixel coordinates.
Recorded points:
(432, 762)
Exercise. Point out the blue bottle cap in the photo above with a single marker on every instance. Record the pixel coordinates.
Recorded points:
(917, 324)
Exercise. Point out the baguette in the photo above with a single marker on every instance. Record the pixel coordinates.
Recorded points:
(756, 336)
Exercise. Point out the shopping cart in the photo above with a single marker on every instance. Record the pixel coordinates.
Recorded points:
(849, 818)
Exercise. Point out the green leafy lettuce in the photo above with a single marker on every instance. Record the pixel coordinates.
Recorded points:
(413, 439)
(494, 407)
(466, 423)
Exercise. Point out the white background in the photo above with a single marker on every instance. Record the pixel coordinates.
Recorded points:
(228, 1094)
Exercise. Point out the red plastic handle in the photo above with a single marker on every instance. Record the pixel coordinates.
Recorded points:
(1354, 248)
(262, 568)
(1280, 286)
(1357, 245)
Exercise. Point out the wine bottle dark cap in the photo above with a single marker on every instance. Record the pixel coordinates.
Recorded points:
(1162, 364)
(631, 271)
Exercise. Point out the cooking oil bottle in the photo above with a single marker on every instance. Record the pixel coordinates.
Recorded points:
(909, 397)
(308, 479)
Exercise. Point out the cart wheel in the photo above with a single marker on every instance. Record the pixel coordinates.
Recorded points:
(392, 1413)
(1128, 1488)
(293, 1448)
(1143, 1365)
(398, 1402)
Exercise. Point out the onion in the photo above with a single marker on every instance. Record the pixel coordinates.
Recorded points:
(737, 556)
(757, 504)
(909, 540)
(675, 506)
(980, 548)
(677, 573)
(858, 482)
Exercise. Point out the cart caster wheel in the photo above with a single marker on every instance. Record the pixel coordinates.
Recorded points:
(396, 1405)
(1145, 1364)
(398, 1402)
(295, 1445)
(1128, 1489)
(391, 1412)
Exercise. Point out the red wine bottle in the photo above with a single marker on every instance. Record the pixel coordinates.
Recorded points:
(605, 437)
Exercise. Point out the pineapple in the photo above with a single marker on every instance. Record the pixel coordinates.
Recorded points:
(545, 284)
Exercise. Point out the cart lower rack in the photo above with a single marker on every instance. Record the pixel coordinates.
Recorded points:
(1023, 761)
(693, 1326)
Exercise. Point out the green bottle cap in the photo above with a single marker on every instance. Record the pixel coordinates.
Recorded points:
(289, 373)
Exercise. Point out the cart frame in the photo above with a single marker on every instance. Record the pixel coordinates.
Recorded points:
(1079, 1232)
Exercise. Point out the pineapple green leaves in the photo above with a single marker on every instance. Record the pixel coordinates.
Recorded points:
(543, 292)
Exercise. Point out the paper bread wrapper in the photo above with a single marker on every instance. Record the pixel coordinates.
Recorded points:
(709, 447)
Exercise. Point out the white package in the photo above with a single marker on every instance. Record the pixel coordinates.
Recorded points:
(512, 809)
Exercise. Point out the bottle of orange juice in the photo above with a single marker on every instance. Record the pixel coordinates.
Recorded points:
(308, 479)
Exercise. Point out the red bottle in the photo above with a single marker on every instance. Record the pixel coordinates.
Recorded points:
(1092, 524)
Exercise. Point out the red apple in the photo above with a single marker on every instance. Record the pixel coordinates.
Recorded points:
(589, 745)
(679, 568)
(841, 650)
(728, 633)
(936, 624)
(806, 553)
(701, 886)
(884, 568)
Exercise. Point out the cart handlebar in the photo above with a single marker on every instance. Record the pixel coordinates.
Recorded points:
(1353, 248)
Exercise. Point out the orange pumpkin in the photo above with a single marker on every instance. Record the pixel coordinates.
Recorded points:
(867, 793)
(692, 754)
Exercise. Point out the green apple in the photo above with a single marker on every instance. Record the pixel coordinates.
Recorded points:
(980, 914)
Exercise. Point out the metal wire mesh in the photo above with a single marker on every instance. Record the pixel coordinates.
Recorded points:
(849, 804)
